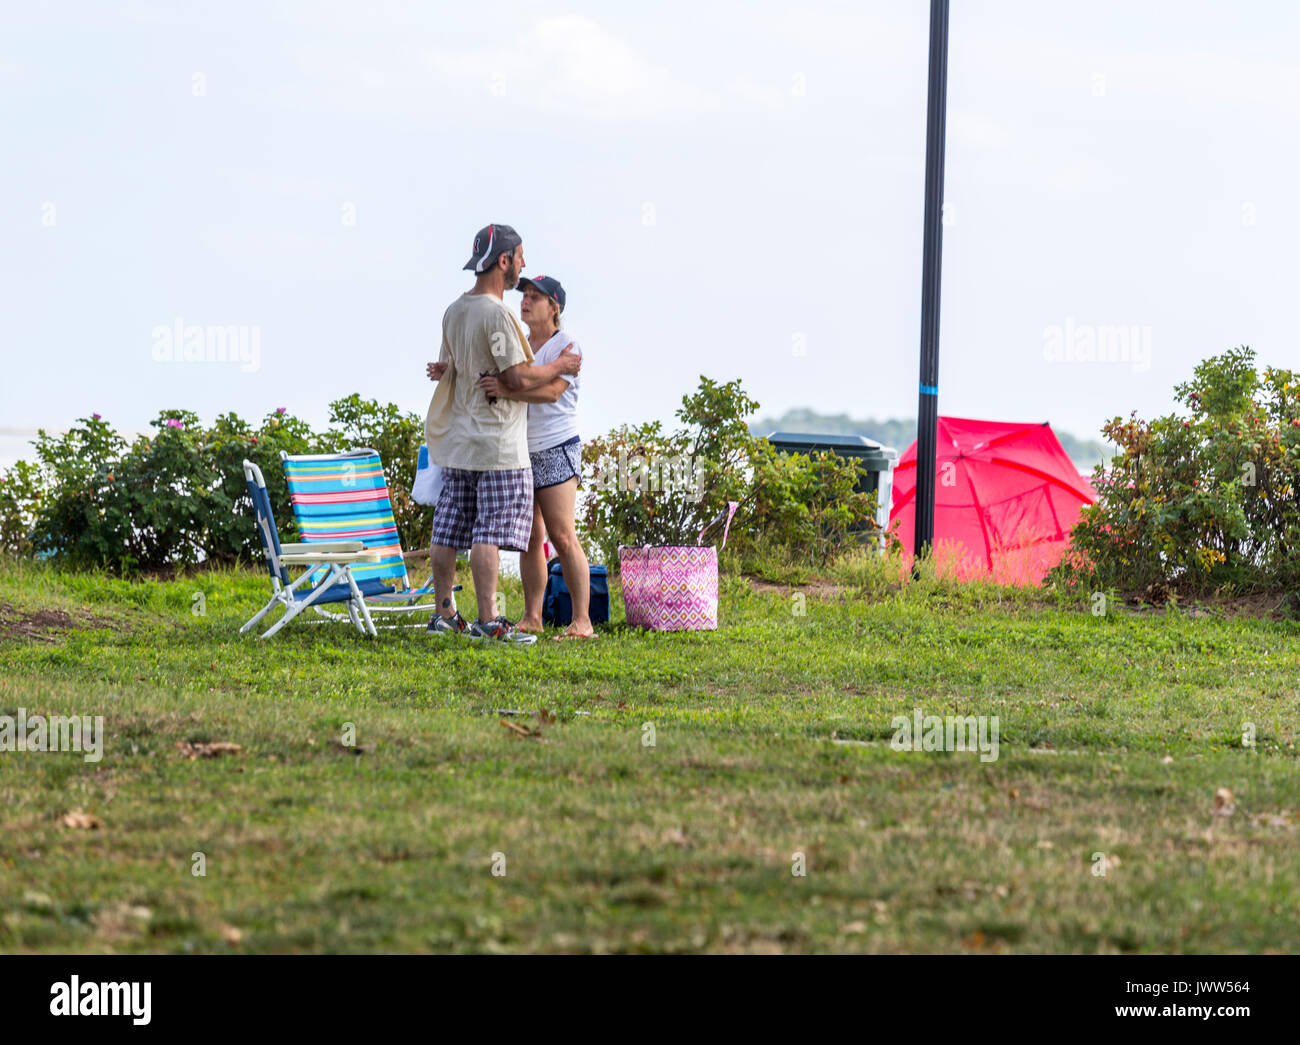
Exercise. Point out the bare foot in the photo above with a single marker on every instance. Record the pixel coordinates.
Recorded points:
(578, 630)
(530, 624)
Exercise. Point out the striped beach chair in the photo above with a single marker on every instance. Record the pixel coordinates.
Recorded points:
(344, 497)
(328, 579)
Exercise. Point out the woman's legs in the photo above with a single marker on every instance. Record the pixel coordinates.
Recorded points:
(532, 571)
(556, 504)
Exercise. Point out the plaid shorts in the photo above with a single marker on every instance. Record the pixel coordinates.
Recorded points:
(485, 508)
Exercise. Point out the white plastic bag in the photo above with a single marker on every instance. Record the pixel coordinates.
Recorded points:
(428, 480)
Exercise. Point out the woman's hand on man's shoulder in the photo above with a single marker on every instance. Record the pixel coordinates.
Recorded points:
(570, 359)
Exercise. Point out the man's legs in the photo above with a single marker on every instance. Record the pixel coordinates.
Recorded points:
(557, 507)
(503, 519)
(452, 520)
(443, 560)
(532, 571)
(484, 565)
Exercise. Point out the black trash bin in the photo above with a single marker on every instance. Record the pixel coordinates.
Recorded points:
(878, 460)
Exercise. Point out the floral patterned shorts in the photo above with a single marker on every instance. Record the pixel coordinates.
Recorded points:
(557, 465)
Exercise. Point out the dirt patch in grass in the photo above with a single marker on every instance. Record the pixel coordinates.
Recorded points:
(817, 589)
(43, 625)
(1268, 605)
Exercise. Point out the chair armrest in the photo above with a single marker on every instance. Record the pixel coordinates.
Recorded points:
(326, 559)
(323, 546)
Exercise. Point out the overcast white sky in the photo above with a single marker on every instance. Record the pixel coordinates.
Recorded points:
(725, 188)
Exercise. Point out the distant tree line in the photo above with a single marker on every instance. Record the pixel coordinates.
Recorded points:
(899, 433)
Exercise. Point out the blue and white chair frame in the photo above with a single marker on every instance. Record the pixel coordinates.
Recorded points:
(328, 577)
(345, 497)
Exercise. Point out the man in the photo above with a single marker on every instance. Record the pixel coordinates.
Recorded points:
(481, 443)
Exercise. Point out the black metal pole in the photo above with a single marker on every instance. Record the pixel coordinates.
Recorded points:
(927, 414)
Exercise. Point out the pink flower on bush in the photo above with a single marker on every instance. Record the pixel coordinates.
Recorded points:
(94, 417)
(279, 409)
(174, 423)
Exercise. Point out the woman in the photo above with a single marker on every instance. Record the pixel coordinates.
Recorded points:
(556, 453)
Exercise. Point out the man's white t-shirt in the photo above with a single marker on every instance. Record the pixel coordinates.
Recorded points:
(479, 335)
(550, 424)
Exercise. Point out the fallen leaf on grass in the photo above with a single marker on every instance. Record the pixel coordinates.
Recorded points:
(1224, 804)
(122, 919)
(853, 928)
(231, 935)
(676, 836)
(202, 749)
(521, 731)
(81, 821)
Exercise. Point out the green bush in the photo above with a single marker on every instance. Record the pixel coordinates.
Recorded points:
(808, 502)
(1204, 502)
(650, 486)
(177, 496)
(646, 485)
(20, 499)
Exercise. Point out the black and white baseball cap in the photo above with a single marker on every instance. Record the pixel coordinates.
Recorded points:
(491, 242)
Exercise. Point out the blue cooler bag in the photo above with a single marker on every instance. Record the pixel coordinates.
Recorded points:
(557, 606)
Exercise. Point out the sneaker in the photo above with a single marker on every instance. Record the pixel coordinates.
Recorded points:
(443, 626)
(499, 630)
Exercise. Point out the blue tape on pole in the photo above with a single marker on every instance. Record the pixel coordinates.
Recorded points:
(929, 390)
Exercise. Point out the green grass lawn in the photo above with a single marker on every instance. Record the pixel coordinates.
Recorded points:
(770, 739)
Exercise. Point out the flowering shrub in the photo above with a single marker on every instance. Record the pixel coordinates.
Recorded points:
(177, 496)
(1202, 502)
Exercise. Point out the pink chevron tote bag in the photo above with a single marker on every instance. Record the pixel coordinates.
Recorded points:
(668, 588)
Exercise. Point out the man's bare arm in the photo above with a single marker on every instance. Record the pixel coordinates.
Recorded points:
(497, 386)
(509, 383)
(568, 362)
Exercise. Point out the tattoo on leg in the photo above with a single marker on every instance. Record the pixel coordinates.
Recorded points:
(446, 602)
